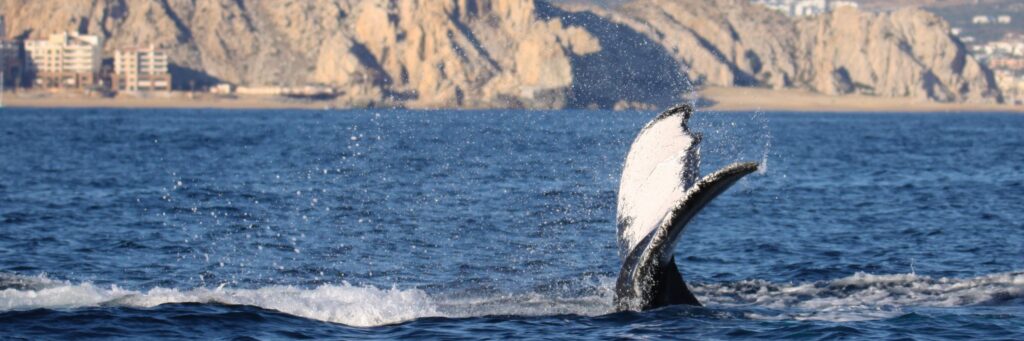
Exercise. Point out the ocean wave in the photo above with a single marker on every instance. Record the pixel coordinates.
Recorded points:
(360, 306)
(345, 304)
(857, 297)
(863, 296)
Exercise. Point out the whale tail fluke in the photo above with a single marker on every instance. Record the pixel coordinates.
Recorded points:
(650, 278)
(659, 194)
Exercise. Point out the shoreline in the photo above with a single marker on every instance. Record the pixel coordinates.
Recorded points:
(791, 100)
(719, 99)
(174, 100)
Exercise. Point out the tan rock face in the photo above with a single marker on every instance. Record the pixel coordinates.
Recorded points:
(425, 54)
(540, 66)
(468, 53)
(725, 43)
(342, 63)
(499, 53)
(907, 53)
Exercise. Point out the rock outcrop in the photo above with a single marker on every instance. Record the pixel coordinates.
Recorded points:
(905, 53)
(469, 53)
(525, 53)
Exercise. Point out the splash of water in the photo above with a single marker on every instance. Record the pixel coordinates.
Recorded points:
(729, 138)
(766, 135)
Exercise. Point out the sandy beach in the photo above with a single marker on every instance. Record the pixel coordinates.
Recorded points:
(719, 99)
(174, 100)
(749, 99)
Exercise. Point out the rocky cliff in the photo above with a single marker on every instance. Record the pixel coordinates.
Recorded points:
(510, 53)
(904, 53)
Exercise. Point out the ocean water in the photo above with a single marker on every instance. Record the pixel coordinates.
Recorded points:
(206, 224)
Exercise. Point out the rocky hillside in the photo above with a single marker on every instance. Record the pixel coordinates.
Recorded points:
(905, 53)
(512, 53)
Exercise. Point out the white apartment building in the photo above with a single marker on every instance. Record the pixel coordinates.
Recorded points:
(809, 7)
(805, 7)
(141, 70)
(65, 59)
(778, 5)
(839, 4)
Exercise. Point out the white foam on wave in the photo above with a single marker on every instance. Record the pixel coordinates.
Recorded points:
(346, 304)
(361, 306)
(858, 297)
(863, 296)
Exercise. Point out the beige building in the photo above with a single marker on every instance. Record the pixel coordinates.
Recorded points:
(65, 59)
(141, 70)
(806, 7)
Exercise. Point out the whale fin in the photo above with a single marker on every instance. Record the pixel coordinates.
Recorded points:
(698, 196)
(649, 277)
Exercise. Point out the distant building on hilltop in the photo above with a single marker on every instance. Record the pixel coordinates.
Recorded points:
(141, 70)
(981, 20)
(65, 59)
(1008, 48)
(809, 7)
(805, 7)
(1004, 19)
(1005, 57)
(1006, 63)
(778, 5)
(837, 4)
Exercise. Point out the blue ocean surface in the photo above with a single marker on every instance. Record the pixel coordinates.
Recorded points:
(275, 224)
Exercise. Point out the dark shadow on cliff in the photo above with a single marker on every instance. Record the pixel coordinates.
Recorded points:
(184, 32)
(960, 62)
(377, 76)
(740, 77)
(629, 66)
(183, 78)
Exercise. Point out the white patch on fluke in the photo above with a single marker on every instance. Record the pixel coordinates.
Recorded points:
(660, 166)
